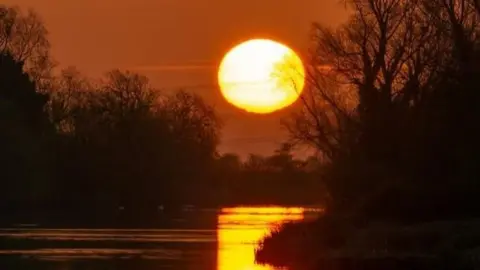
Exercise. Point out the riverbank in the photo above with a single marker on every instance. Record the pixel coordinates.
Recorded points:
(333, 244)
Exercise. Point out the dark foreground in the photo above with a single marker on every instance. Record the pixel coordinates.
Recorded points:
(326, 244)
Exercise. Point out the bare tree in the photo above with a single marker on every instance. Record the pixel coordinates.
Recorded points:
(128, 94)
(459, 21)
(192, 121)
(25, 37)
(319, 124)
(375, 66)
(70, 94)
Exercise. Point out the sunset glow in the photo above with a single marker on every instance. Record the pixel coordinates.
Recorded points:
(241, 229)
(261, 76)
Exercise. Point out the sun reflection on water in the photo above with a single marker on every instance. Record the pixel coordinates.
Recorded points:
(240, 229)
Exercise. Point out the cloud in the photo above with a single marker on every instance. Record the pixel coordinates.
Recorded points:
(174, 67)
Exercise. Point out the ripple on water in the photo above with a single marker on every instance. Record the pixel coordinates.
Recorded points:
(95, 253)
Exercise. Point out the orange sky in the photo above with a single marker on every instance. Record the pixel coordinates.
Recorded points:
(178, 43)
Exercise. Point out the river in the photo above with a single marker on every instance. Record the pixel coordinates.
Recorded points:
(221, 239)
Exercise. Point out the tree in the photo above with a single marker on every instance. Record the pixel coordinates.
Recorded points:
(195, 122)
(194, 130)
(255, 163)
(24, 158)
(16, 86)
(129, 143)
(24, 36)
(283, 161)
(382, 87)
(69, 96)
(229, 162)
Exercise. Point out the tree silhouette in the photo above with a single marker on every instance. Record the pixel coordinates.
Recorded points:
(24, 159)
(230, 162)
(401, 143)
(130, 144)
(24, 36)
(81, 148)
(16, 86)
(392, 97)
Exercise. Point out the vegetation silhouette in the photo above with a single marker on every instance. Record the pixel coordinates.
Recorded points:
(25, 170)
(115, 151)
(276, 179)
(392, 106)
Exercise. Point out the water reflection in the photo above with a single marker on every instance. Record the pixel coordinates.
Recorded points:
(227, 242)
(240, 229)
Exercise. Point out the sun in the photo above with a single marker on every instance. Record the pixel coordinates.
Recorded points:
(261, 76)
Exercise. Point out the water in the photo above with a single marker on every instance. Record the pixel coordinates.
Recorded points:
(223, 239)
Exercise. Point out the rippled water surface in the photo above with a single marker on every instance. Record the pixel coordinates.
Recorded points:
(226, 240)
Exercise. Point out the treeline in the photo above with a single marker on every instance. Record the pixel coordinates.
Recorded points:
(393, 105)
(395, 110)
(75, 145)
(278, 178)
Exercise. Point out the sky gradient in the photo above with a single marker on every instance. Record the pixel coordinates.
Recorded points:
(179, 43)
